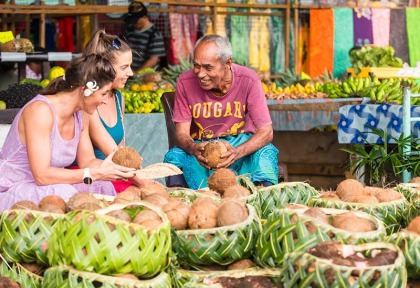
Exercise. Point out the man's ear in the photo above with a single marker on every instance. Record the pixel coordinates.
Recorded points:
(228, 63)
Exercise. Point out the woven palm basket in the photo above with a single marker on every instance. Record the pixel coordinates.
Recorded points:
(301, 269)
(182, 278)
(18, 273)
(220, 245)
(411, 192)
(278, 195)
(95, 242)
(24, 235)
(390, 213)
(281, 236)
(409, 243)
(67, 277)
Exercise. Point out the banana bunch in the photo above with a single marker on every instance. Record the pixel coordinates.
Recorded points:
(292, 92)
(173, 71)
(390, 91)
(352, 87)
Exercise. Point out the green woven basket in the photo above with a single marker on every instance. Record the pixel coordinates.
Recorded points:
(221, 245)
(188, 278)
(18, 273)
(390, 213)
(409, 243)
(277, 237)
(301, 269)
(67, 277)
(410, 192)
(24, 235)
(96, 247)
(278, 195)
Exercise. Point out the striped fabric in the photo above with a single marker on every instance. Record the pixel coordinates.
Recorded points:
(145, 44)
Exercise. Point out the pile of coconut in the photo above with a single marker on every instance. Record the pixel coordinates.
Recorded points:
(351, 190)
(223, 184)
(348, 221)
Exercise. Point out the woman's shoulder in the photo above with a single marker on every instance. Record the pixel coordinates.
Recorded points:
(38, 106)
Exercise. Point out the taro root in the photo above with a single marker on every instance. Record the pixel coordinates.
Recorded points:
(120, 215)
(241, 264)
(231, 211)
(222, 179)
(414, 225)
(25, 205)
(386, 257)
(203, 213)
(127, 157)
(212, 152)
(153, 189)
(211, 193)
(8, 283)
(33, 268)
(247, 282)
(83, 201)
(349, 189)
(236, 191)
(384, 195)
(350, 222)
(52, 200)
(177, 213)
(368, 199)
(157, 199)
(329, 195)
(128, 196)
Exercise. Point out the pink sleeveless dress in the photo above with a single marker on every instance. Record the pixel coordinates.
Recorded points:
(16, 180)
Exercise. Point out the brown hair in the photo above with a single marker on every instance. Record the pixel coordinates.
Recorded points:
(106, 45)
(79, 72)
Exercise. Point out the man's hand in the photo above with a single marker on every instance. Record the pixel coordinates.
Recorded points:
(231, 155)
(196, 150)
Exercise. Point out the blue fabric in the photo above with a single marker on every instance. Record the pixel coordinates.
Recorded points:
(116, 132)
(262, 164)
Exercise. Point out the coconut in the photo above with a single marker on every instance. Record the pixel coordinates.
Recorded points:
(203, 213)
(153, 189)
(33, 268)
(151, 223)
(350, 222)
(8, 283)
(145, 215)
(319, 215)
(52, 209)
(127, 157)
(329, 195)
(210, 193)
(414, 225)
(236, 191)
(25, 205)
(415, 180)
(386, 195)
(120, 215)
(231, 211)
(349, 189)
(241, 265)
(157, 199)
(222, 179)
(83, 201)
(368, 199)
(52, 200)
(128, 196)
(178, 214)
(212, 152)
(133, 189)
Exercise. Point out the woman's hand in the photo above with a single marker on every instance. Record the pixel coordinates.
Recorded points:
(110, 171)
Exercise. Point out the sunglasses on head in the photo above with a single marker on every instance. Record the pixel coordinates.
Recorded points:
(116, 43)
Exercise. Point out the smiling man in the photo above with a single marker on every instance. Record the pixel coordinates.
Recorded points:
(221, 100)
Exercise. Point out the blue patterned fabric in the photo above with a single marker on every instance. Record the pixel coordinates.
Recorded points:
(262, 164)
(353, 119)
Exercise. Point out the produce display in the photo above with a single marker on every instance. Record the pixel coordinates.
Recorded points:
(17, 45)
(373, 56)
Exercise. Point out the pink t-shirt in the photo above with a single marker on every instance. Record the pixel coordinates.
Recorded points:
(241, 110)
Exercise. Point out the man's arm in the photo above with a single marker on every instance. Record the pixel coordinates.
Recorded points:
(150, 63)
(262, 137)
(184, 141)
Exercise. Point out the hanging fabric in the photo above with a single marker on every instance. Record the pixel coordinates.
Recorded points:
(259, 41)
(321, 41)
(343, 39)
(239, 36)
(413, 24)
(303, 34)
(398, 34)
(380, 26)
(362, 22)
(277, 42)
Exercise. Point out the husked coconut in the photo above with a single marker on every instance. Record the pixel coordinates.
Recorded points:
(52, 209)
(153, 189)
(386, 195)
(329, 195)
(222, 179)
(203, 213)
(83, 201)
(157, 199)
(145, 215)
(231, 211)
(129, 196)
(212, 152)
(241, 265)
(52, 200)
(319, 215)
(236, 191)
(368, 199)
(120, 215)
(151, 223)
(349, 189)
(351, 222)
(178, 214)
(127, 157)
(414, 225)
(210, 193)
(25, 205)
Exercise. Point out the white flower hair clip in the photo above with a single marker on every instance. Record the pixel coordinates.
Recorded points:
(91, 87)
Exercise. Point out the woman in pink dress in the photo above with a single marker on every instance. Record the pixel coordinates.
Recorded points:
(50, 132)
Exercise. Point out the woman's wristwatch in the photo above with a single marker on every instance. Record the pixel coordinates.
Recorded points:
(87, 178)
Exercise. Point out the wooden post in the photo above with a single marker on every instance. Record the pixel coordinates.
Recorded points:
(42, 28)
(12, 19)
(214, 16)
(287, 36)
(27, 26)
(296, 28)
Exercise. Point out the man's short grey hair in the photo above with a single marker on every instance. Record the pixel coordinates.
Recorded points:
(224, 49)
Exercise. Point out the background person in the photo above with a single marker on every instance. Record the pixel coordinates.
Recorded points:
(221, 100)
(50, 131)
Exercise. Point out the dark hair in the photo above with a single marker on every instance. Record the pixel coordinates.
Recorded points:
(106, 45)
(136, 10)
(79, 72)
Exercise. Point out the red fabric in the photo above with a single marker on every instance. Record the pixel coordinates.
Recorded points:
(321, 41)
(119, 185)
